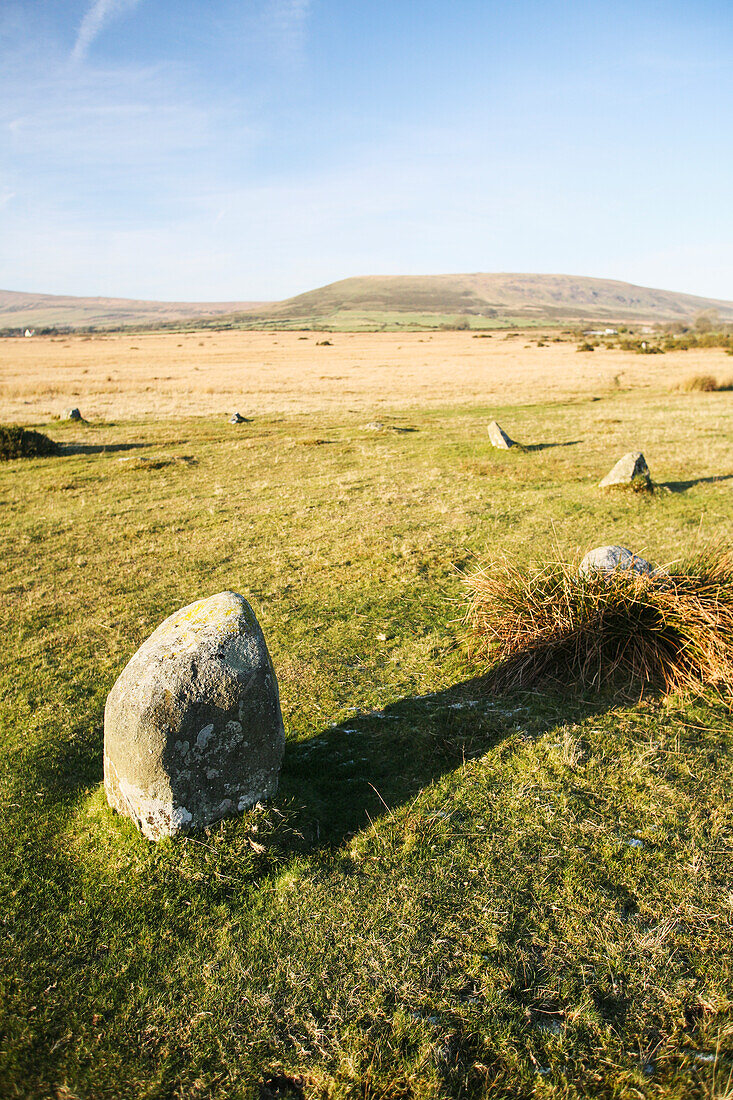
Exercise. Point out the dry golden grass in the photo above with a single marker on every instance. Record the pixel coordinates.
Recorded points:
(122, 376)
(550, 624)
(703, 383)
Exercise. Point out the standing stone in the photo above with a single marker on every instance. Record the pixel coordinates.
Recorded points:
(631, 470)
(71, 414)
(192, 727)
(499, 438)
(609, 559)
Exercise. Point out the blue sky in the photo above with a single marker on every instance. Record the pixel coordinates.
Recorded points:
(252, 149)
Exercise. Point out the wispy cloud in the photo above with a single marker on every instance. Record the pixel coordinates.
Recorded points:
(97, 16)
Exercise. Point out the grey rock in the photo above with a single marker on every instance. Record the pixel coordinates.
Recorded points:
(237, 418)
(192, 728)
(499, 438)
(629, 470)
(609, 559)
(374, 426)
(71, 414)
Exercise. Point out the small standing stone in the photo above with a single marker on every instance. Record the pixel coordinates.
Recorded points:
(237, 418)
(192, 727)
(631, 470)
(71, 414)
(609, 559)
(499, 438)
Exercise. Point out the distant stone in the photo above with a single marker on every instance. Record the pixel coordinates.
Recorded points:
(499, 438)
(237, 418)
(374, 426)
(192, 728)
(610, 559)
(631, 470)
(71, 414)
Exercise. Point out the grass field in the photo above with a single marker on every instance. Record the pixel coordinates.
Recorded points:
(455, 893)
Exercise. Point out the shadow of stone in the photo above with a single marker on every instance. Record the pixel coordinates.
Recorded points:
(98, 448)
(547, 446)
(683, 486)
(68, 765)
(352, 774)
(395, 429)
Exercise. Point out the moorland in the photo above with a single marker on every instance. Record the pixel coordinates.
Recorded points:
(456, 892)
(383, 302)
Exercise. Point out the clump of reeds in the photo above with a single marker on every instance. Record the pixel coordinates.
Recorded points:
(669, 631)
(17, 442)
(702, 383)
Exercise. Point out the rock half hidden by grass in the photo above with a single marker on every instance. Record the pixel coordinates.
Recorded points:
(17, 442)
(625, 629)
(630, 472)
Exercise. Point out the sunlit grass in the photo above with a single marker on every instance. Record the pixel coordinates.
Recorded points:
(455, 893)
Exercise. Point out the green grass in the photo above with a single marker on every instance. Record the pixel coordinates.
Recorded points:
(347, 319)
(358, 320)
(447, 897)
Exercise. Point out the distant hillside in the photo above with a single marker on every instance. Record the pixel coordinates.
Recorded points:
(558, 298)
(21, 310)
(385, 301)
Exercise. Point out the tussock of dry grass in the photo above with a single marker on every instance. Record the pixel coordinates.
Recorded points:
(673, 632)
(17, 442)
(703, 383)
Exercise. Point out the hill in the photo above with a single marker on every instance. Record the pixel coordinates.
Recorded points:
(531, 298)
(386, 301)
(23, 310)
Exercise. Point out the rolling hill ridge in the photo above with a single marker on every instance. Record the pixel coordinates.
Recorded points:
(384, 300)
(19, 309)
(559, 298)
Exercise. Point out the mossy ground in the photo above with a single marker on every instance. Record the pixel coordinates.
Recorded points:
(454, 894)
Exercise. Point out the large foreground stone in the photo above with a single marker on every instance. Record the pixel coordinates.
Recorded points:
(499, 438)
(192, 727)
(609, 559)
(631, 470)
